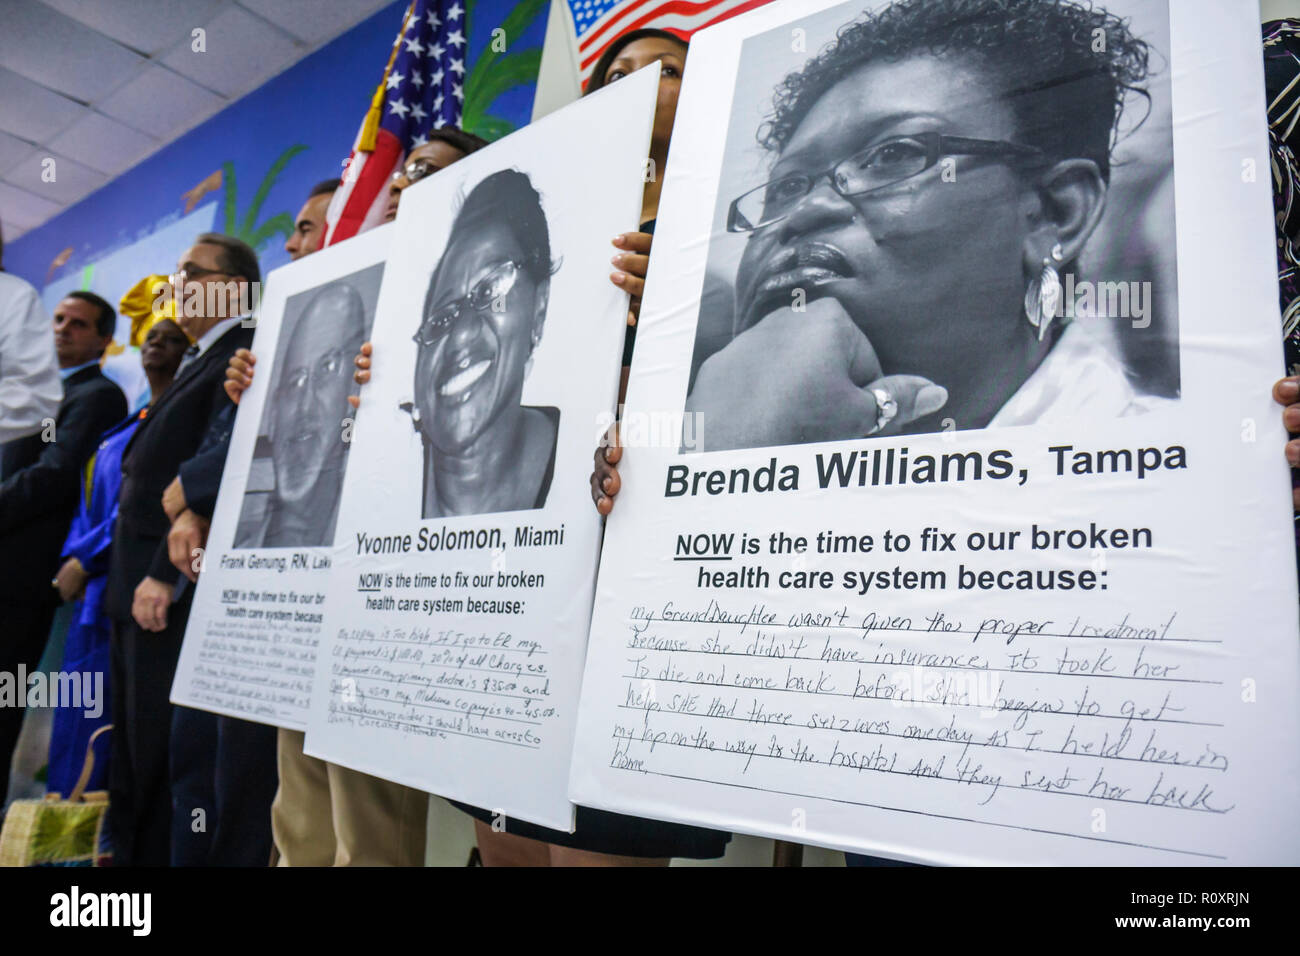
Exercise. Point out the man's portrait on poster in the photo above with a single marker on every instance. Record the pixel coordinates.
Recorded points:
(296, 476)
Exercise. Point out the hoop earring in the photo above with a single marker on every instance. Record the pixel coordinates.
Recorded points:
(1043, 297)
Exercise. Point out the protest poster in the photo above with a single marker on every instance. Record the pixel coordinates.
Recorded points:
(462, 579)
(254, 629)
(974, 545)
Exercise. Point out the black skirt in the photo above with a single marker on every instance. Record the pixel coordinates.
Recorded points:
(600, 831)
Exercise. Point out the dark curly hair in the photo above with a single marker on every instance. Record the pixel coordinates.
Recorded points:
(1065, 67)
(509, 197)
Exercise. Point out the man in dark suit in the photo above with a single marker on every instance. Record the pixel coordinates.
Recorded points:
(214, 286)
(40, 478)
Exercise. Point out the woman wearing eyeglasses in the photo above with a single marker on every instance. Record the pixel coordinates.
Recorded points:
(603, 838)
(930, 187)
(443, 147)
(925, 205)
(484, 314)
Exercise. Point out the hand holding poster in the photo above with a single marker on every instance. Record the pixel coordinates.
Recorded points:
(250, 647)
(467, 542)
(853, 605)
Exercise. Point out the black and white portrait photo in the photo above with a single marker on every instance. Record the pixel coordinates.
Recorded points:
(483, 317)
(495, 352)
(940, 215)
(296, 475)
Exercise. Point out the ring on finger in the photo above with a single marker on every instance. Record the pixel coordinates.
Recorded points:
(886, 409)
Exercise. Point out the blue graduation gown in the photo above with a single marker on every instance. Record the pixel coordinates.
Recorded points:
(86, 650)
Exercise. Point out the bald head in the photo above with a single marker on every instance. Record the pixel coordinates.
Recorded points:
(335, 318)
(312, 388)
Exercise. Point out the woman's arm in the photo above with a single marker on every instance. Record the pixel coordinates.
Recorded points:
(1286, 392)
(239, 373)
(605, 481)
(631, 264)
(362, 374)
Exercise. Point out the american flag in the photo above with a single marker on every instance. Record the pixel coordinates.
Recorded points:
(600, 22)
(422, 89)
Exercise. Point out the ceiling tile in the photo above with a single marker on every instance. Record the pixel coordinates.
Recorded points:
(24, 209)
(71, 180)
(12, 151)
(241, 51)
(315, 21)
(32, 112)
(62, 54)
(101, 143)
(75, 85)
(160, 102)
(149, 26)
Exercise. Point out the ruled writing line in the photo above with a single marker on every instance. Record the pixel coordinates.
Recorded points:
(917, 630)
(945, 667)
(441, 647)
(446, 687)
(749, 755)
(434, 731)
(923, 740)
(898, 702)
(925, 813)
(464, 713)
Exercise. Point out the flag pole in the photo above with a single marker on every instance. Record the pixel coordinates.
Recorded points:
(370, 127)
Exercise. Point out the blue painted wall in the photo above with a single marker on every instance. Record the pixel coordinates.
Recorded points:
(122, 228)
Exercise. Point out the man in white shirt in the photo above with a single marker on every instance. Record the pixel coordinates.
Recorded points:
(30, 388)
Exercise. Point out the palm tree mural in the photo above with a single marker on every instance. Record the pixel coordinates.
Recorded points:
(496, 71)
(249, 229)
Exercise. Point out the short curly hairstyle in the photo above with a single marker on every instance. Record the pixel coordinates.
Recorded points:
(1065, 67)
(507, 196)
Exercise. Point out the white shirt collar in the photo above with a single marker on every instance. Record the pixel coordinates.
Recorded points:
(216, 332)
(1080, 379)
(67, 373)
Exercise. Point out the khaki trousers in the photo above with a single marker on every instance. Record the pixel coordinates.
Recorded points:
(327, 815)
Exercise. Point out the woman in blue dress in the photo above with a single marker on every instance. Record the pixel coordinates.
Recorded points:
(84, 574)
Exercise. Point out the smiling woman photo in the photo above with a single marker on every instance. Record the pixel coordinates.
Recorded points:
(483, 317)
(935, 175)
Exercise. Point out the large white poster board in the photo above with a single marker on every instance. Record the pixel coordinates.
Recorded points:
(467, 544)
(255, 626)
(1047, 612)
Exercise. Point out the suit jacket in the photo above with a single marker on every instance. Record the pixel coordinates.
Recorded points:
(168, 438)
(201, 475)
(40, 482)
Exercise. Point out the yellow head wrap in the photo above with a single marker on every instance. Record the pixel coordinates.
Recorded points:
(147, 303)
